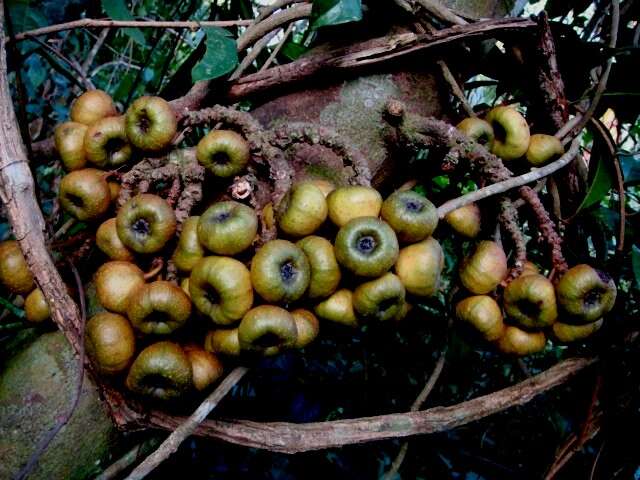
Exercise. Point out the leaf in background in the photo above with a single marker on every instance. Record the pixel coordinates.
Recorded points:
(335, 12)
(600, 186)
(293, 50)
(23, 17)
(635, 262)
(220, 57)
(630, 168)
(117, 10)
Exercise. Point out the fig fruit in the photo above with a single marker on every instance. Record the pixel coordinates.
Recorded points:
(150, 124)
(14, 271)
(115, 281)
(483, 314)
(267, 330)
(411, 215)
(105, 143)
(146, 223)
(69, 140)
(585, 294)
(220, 288)
(567, 333)
(108, 241)
(515, 341)
(91, 106)
(511, 133)
(484, 269)
(419, 267)
(347, 203)
(189, 250)
(110, 342)
(325, 186)
(529, 268)
(476, 129)
(206, 369)
(223, 152)
(307, 326)
(302, 210)
(338, 308)
(158, 308)
(325, 273)
(366, 246)
(84, 194)
(223, 342)
(530, 300)
(228, 228)
(162, 371)
(280, 272)
(36, 307)
(465, 221)
(543, 149)
(380, 299)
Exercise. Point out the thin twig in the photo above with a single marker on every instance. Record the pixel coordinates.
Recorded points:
(259, 30)
(455, 88)
(278, 47)
(94, 51)
(258, 47)
(435, 8)
(72, 63)
(180, 434)
(128, 459)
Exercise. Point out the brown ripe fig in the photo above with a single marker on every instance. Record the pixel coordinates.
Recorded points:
(465, 221)
(484, 268)
(280, 272)
(84, 194)
(108, 241)
(518, 342)
(347, 203)
(69, 140)
(158, 308)
(162, 371)
(150, 124)
(338, 308)
(325, 186)
(106, 144)
(380, 299)
(223, 342)
(366, 246)
(325, 272)
(567, 333)
(267, 330)
(146, 223)
(189, 250)
(228, 228)
(411, 215)
(483, 314)
(477, 130)
(585, 294)
(110, 342)
(511, 133)
(529, 268)
(302, 211)
(91, 106)
(205, 367)
(36, 308)
(224, 153)
(115, 281)
(14, 271)
(530, 300)
(220, 288)
(543, 149)
(419, 267)
(307, 326)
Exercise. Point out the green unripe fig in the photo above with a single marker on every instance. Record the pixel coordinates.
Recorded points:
(483, 314)
(69, 140)
(518, 342)
(145, 223)
(36, 307)
(162, 371)
(14, 271)
(347, 203)
(585, 294)
(477, 130)
(150, 124)
(220, 288)
(419, 267)
(338, 308)
(325, 272)
(543, 149)
(366, 246)
(158, 308)
(110, 342)
(106, 144)
(465, 220)
(280, 272)
(302, 210)
(411, 215)
(511, 133)
(115, 281)
(307, 326)
(484, 269)
(206, 369)
(189, 250)
(108, 241)
(85, 194)
(380, 299)
(91, 106)
(267, 330)
(223, 342)
(223, 152)
(228, 228)
(530, 300)
(567, 333)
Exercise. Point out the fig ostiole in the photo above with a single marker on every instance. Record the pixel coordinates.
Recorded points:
(585, 294)
(227, 228)
(158, 308)
(410, 215)
(145, 223)
(530, 301)
(511, 133)
(224, 153)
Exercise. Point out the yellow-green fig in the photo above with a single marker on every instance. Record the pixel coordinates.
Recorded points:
(567, 333)
(529, 268)
(307, 326)
(325, 272)
(36, 308)
(85, 194)
(518, 342)
(325, 186)
(189, 250)
(115, 281)
(146, 223)
(223, 342)
(347, 203)
(220, 288)
(511, 133)
(380, 299)
(543, 149)
(228, 228)
(267, 330)
(302, 210)
(110, 342)
(69, 140)
(150, 124)
(530, 300)
(483, 314)
(585, 294)
(465, 220)
(14, 271)
(206, 369)
(484, 269)
(91, 106)
(476, 129)
(223, 152)
(108, 241)
(106, 144)
(158, 308)
(338, 308)
(410, 215)
(419, 267)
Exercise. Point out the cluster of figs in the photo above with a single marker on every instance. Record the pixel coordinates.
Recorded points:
(343, 254)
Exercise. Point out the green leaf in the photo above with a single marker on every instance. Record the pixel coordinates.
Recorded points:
(630, 168)
(600, 186)
(23, 17)
(335, 12)
(293, 50)
(220, 57)
(635, 262)
(118, 10)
